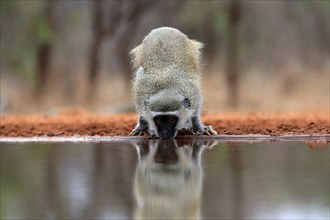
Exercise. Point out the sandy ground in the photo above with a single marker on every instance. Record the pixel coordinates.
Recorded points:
(78, 122)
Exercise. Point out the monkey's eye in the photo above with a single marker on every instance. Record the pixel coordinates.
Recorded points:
(158, 120)
(171, 120)
(186, 103)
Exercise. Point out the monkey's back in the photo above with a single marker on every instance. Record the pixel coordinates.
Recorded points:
(170, 61)
(164, 47)
(152, 82)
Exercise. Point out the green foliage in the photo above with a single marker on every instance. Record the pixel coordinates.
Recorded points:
(220, 18)
(273, 30)
(24, 28)
(42, 30)
(196, 14)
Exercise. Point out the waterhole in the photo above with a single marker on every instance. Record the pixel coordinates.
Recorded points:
(152, 179)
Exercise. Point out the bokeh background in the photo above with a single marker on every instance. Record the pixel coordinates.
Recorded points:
(258, 55)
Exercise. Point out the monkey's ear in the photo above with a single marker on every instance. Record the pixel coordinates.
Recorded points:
(146, 103)
(196, 48)
(186, 103)
(136, 55)
(139, 71)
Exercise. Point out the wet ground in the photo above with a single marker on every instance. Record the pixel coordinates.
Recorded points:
(227, 179)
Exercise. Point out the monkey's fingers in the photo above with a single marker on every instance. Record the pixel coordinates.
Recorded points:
(133, 133)
(136, 132)
(208, 130)
(189, 130)
(199, 132)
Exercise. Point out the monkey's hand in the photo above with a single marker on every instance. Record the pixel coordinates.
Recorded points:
(137, 132)
(207, 130)
(200, 129)
(140, 128)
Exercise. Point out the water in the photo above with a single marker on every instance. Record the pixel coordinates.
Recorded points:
(123, 180)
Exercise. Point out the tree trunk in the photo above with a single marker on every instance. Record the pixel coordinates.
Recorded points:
(45, 49)
(232, 59)
(131, 20)
(97, 38)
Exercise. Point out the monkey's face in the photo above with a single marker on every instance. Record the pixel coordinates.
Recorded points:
(166, 125)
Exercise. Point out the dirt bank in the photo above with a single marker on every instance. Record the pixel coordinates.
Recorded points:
(78, 122)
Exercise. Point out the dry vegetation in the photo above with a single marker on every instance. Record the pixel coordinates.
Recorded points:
(296, 90)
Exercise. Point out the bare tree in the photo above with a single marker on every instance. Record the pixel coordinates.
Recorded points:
(107, 15)
(97, 36)
(131, 19)
(232, 59)
(45, 46)
(101, 28)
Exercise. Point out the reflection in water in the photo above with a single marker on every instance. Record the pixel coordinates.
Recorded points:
(168, 180)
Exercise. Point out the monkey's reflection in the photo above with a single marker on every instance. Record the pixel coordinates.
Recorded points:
(168, 180)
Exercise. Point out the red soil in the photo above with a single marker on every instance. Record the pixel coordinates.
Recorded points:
(78, 122)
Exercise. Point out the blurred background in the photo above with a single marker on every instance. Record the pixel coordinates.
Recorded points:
(259, 55)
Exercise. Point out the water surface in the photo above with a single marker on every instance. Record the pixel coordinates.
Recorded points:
(167, 179)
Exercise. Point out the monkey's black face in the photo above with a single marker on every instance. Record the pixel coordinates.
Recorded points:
(166, 125)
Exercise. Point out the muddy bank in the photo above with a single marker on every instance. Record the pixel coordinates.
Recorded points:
(78, 122)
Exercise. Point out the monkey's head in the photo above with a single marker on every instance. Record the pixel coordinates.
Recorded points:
(168, 113)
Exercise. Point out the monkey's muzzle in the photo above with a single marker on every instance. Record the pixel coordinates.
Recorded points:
(166, 125)
(167, 134)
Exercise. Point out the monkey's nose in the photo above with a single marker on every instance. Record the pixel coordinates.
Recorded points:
(167, 135)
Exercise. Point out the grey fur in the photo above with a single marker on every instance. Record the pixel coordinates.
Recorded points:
(168, 80)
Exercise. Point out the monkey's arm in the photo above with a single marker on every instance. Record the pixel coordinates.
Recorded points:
(199, 128)
(141, 127)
